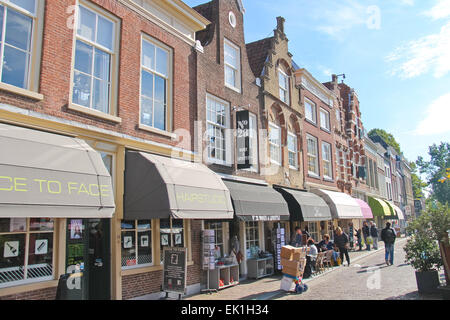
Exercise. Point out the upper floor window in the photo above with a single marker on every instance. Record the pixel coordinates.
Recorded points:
(95, 59)
(155, 84)
(325, 119)
(275, 143)
(338, 117)
(310, 111)
(232, 57)
(218, 122)
(292, 150)
(313, 155)
(18, 25)
(326, 158)
(283, 83)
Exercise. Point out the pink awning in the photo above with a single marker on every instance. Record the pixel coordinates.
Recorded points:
(366, 211)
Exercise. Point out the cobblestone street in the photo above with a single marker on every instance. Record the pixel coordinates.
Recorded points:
(368, 278)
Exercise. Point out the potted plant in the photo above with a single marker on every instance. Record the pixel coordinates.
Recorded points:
(422, 252)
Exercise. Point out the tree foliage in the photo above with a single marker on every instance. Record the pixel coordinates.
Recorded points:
(417, 183)
(387, 137)
(436, 170)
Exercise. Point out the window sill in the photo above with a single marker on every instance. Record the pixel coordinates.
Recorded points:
(232, 88)
(314, 176)
(328, 180)
(157, 131)
(22, 92)
(94, 113)
(293, 168)
(138, 270)
(218, 162)
(325, 129)
(28, 287)
(311, 122)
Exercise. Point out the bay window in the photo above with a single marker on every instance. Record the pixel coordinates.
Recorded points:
(18, 19)
(292, 150)
(155, 84)
(232, 66)
(218, 122)
(94, 61)
(326, 158)
(275, 143)
(313, 156)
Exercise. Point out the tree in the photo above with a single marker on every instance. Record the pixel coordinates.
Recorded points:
(436, 170)
(387, 137)
(417, 183)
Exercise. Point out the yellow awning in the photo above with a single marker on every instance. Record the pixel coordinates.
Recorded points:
(379, 207)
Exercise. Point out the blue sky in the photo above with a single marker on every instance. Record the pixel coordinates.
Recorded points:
(395, 53)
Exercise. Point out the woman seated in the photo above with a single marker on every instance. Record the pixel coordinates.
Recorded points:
(310, 259)
(326, 244)
(312, 249)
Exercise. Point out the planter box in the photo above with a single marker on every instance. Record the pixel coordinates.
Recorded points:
(427, 282)
(445, 292)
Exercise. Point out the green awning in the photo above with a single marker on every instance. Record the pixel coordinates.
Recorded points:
(393, 214)
(379, 207)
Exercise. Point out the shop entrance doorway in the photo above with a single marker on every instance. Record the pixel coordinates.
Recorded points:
(89, 254)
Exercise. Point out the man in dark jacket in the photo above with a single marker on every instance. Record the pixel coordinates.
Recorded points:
(388, 236)
(374, 234)
(366, 234)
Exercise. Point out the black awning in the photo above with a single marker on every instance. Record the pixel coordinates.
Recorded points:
(254, 202)
(159, 187)
(305, 206)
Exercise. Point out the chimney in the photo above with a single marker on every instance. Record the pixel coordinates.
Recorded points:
(334, 80)
(280, 24)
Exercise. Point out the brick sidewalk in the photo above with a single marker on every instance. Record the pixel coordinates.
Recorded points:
(268, 288)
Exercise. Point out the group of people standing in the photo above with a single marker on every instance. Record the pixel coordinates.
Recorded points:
(344, 242)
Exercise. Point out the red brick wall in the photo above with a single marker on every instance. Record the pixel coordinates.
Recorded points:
(321, 135)
(43, 294)
(56, 70)
(147, 283)
(210, 72)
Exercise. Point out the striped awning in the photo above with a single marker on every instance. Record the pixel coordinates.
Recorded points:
(379, 207)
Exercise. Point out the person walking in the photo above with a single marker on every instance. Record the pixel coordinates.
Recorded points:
(374, 234)
(359, 237)
(366, 234)
(388, 236)
(341, 242)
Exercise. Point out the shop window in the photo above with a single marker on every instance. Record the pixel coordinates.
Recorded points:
(26, 250)
(18, 24)
(155, 84)
(136, 243)
(95, 59)
(313, 231)
(218, 232)
(275, 143)
(218, 121)
(232, 64)
(171, 234)
(252, 238)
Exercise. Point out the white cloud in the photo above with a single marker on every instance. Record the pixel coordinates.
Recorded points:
(437, 117)
(325, 71)
(407, 2)
(429, 53)
(440, 10)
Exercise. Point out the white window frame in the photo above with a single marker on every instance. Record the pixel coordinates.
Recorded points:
(252, 225)
(236, 69)
(169, 85)
(327, 126)
(273, 126)
(27, 233)
(114, 67)
(228, 147)
(327, 162)
(294, 152)
(253, 141)
(314, 111)
(33, 70)
(316, 156)
(281, 88)
(218, 227)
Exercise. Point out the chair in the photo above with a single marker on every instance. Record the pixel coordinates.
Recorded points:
(319, 262)
(328, 259)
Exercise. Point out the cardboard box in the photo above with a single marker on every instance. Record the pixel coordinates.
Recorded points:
(289, 263)
(295, 272)
(288, 251)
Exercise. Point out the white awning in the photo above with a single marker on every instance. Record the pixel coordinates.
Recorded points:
(342, 205)
(399, 212)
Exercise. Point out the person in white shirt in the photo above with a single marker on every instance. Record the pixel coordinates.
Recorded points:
(312, 249)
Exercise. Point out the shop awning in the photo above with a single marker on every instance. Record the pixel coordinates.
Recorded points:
(379, 207)
(51, 176)
(393, 214)
(342, 205)
(254, 202)
(398, 212)
(158, 187)
(305, 206)
(365, 209)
